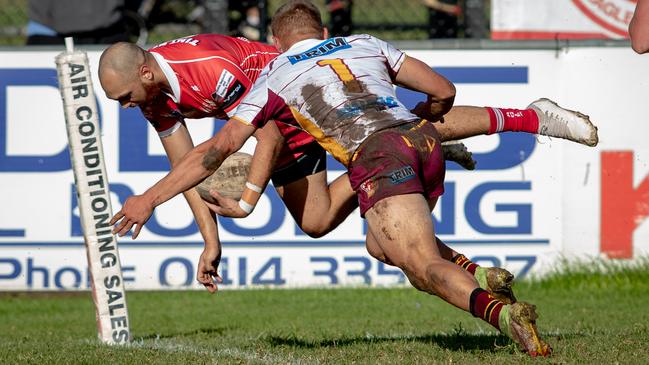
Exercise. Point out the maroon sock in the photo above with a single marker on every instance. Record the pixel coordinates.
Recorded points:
(483, 305)
(512, 120)
(463, 262)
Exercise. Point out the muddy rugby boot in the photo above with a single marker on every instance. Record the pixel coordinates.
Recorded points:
(518, 322)
(457, 152)
(498, 282)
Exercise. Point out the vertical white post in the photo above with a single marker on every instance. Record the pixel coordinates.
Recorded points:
(93, 193)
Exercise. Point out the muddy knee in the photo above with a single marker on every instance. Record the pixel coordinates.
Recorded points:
(376, 252)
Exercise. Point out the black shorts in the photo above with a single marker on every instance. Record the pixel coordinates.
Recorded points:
(312, 161)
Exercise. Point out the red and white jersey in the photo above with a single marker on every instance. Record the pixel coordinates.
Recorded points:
(208, 73)
(339, 90)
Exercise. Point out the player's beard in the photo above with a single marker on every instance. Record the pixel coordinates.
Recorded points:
(152, 91)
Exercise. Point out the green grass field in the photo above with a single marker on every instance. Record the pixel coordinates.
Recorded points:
(587, 316)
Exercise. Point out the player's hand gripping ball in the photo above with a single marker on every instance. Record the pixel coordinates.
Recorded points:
(229, 179)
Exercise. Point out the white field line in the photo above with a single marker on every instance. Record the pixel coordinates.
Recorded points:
(171, 346)
(214, 354)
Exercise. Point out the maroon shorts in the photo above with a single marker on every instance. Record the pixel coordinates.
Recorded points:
(312, 160)
(400, 160)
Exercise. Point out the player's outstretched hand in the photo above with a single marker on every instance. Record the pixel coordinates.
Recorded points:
(225, 207)
(135, 212)
(207, 265)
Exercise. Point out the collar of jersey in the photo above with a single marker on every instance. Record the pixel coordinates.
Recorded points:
(171, 77)
(305, 42)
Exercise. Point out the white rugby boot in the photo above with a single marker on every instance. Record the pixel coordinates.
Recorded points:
(457, 152)
(555, 121)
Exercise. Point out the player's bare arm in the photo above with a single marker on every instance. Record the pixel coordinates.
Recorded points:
(177, 145)
(639, 27)
(199, 163)
(416, 75)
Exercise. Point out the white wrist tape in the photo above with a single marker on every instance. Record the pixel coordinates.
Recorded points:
(245, 206)
(253, 187)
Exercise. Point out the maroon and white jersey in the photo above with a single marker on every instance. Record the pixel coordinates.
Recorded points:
(339, 90)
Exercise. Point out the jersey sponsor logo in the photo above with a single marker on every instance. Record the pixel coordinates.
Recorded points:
(402, 174)
(222, 86)
(359, 106)
(327, 47)
(235, 94)
(369, 187)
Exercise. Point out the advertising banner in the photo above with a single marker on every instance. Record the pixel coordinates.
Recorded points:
(561, 19)
(531, 201)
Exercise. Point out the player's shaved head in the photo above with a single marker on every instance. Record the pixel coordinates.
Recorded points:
(126, 73)
(297, 20)
(121, 60)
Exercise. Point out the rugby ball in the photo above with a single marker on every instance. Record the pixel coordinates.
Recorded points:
(229, 179)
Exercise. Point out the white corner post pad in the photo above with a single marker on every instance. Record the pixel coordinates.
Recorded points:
(93, 194)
